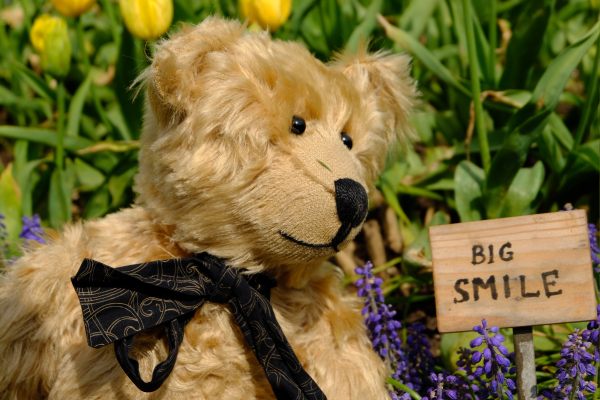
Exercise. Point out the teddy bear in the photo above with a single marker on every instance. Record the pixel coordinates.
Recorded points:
(255, 153)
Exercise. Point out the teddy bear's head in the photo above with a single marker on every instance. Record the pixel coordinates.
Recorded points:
(256, 151)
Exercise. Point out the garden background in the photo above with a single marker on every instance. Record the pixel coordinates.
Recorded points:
(507, 125)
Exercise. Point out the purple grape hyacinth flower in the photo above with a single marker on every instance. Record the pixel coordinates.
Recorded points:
(447, 387)
(477, 383)
(381, 322)
(404, 396)
(32, 229)
(594, 249)
(495, 360)
(593, 328)
(418, 355)
(575, 368)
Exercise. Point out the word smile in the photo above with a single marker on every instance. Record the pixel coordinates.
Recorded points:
(464, 287)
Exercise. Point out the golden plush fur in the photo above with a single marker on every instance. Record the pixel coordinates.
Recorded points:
(221, 172)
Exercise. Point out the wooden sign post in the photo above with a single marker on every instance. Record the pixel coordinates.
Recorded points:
(514, 272)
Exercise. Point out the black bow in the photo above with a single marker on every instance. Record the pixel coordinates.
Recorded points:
(118, 303)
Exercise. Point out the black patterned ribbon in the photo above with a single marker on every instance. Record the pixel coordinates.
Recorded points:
(118, 303)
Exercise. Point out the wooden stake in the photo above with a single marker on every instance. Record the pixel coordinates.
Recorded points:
(525, 359)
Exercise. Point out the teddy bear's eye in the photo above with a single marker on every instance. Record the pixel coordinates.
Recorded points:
(298, 125)
(347, 140)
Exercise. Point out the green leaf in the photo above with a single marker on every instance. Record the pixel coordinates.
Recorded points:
(505, 165)
(117, 184)
(44, 136)
(9, 99)
(416, 16)
(115, 116)
(550, 150)
(364, 29)
(550, 86)
(128, 67)
(24, 175)
(523, 191)
(545, 97)
(450, 344)
(412, 45)
(89, 178)
(59, 198)
(299, 12)
(417, 253)
(36, 83)
(10, 203)
(468, 191)
(586, 158)
(97, 205)
(76, 107)
(525, 44)
(417, 191)
(482, 50)
(560, 131)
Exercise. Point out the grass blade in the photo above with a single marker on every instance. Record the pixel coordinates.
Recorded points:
(364, 29)
(410, 44)
(416, 16)
(524, 45)
(44, 136)
(475, 87)
(35, 82)
(76, 107)
(550, 86)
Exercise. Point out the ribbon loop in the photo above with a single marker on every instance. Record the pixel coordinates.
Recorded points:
(174, 332)
(118, 303)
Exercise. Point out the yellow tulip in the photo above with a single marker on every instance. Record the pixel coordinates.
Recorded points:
(270, 14)
(72, 8)
(50, 38)
(147, 19)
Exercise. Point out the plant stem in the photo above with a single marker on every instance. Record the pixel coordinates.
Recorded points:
(405, 388)
(476, 88)
(81, 45)
(574, 387)
(597, 392)
(60, 125)
(493, 41)
(589, 104)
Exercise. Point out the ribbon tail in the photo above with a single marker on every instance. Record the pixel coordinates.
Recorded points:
(285, 373)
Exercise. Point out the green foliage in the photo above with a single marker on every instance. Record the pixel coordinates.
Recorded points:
(508, 124)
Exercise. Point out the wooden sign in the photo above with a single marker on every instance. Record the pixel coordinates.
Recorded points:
(513, 272)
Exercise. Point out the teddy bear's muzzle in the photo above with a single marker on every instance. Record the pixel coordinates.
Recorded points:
(351, 203)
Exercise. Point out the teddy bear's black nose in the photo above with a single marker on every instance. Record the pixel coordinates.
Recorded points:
(351, 202)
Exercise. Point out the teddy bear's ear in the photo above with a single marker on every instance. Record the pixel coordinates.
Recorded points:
(385, 86)
(386, 77)
(172, 78)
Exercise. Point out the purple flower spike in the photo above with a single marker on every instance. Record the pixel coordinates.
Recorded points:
(595, 250)
(32, 229)
(418, 355)
(491, 378)
(381, 323)
(447, 387)
(575, 368)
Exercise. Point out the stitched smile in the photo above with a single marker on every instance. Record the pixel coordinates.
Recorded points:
(340, 236)
(303, 243)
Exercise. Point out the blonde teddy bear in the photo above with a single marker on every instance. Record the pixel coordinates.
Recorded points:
(255, 158)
